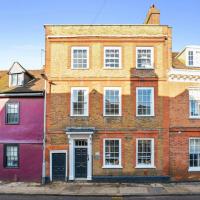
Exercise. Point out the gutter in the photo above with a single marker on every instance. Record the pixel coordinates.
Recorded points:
(36, 94)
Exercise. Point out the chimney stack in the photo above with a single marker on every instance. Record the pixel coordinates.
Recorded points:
(153, 16)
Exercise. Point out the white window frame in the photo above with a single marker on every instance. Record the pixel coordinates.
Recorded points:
(120, 154)
(72, 56)
(87, 105)
(120, 101)
(18, 112)
(143, 166)
(152, 100)
(120, 56)
(192, 169)
(18, 83)
(190, 90)
(194, 50)
(152, 57)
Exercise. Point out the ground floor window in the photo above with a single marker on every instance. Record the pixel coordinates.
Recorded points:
(145, 153)
(112, 153)
(194, 153)
(11, 155)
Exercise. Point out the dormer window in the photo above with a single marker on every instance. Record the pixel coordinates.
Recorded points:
(193, 57)
(16, 79)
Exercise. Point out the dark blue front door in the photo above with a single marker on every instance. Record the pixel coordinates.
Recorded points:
(80, 162)
(58, 166)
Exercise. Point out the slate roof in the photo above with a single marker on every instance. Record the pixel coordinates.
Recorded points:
(34, 85)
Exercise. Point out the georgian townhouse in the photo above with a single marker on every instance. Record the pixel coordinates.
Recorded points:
(21, 124)
(184, 93)
(107, 101)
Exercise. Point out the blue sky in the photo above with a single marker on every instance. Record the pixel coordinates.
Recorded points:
(22, 32)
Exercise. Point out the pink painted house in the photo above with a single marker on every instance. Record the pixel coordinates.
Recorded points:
(21, 124)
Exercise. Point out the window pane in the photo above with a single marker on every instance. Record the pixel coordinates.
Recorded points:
(112, 102)
(11, 155)
(12, 113)
(79, 102)
(194, 153)
(194, 97)
(112, 58)
(144, 152)
(144, 102)
(144, 58)
(80, 58)
(112, 152)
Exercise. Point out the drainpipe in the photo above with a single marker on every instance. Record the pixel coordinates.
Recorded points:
(44, 136)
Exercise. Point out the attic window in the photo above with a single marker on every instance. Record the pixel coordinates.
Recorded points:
(193, 57)
(17, 79)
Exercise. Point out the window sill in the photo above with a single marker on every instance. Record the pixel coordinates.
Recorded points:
(115, 68)
(143, 68)
(145, 167)
(112, 115)
(112, 167)
(80, 68)
(84, 116)
(194, 169)
(191, 117)
(145, 116)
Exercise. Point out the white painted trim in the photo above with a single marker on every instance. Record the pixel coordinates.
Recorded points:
(120, 101)
(152, 165)
(152, 57)
(72, 57)
(57, 151)
(120, 154)
(152, 100)
(120, 57)
(86, 113)
(71, 138)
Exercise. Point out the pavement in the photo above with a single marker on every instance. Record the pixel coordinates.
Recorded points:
(100, 189)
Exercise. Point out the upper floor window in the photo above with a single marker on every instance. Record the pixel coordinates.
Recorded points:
(79, 102)
(194, 98)
(80, 57)
(144, 57)
(144, 101)
(112, 101)
(112, 57)
(12, 113)
(145, 153)
(16, 79)
(194, 148)
(112, 153)
(193, 58)
(11, 155)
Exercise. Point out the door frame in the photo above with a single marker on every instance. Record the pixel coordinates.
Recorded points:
(72, 136)
(51, 167)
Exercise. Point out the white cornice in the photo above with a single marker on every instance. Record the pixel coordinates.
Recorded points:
(184, 75)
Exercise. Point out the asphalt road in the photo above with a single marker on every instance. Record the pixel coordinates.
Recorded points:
(37, 197)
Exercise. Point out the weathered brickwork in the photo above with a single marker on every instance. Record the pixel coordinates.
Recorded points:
(170, 98)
